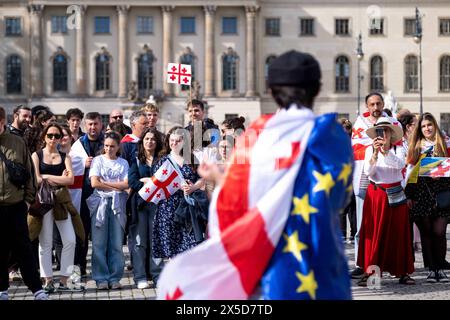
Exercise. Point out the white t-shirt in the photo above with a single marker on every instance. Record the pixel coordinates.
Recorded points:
(109, 170)
(388, 169)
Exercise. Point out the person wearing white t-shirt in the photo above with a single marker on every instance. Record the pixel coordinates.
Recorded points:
(109, 178)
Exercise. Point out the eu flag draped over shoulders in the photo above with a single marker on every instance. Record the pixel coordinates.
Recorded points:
(309, 260)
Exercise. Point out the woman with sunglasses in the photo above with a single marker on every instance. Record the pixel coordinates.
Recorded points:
(55, 167)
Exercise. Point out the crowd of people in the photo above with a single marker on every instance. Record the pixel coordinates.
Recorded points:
(102, 169)
(396, 213)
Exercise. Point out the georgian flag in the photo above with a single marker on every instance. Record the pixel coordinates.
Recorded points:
(162, 185)
(78, 156)
(179, 73)
(130, 138)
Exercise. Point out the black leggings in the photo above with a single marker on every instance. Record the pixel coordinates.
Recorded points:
(434, 243)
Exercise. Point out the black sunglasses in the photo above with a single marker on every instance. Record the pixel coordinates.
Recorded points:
(117, 117)
(51, 136)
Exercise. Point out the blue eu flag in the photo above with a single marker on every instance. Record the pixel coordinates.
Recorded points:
(309, 260)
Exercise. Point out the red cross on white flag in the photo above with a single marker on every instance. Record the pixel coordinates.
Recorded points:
(162, 185)
(179, 73)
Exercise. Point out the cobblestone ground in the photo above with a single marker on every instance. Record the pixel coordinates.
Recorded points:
(390, 288)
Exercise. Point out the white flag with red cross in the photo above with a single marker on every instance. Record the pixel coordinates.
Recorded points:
(162, 185)
(179, 73)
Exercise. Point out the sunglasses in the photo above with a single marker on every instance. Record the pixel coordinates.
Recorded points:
(51, 136)
(117, 117)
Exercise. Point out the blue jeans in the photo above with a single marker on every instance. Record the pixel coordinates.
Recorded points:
(108, 260)
(141, 254)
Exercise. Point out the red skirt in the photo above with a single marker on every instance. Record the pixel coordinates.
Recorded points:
(385, 238)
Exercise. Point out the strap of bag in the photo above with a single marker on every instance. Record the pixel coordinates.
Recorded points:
(3, 157)
(429, 191)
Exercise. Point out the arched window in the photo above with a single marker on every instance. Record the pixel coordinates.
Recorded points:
(13, 74)
(59, 73)
(102, 79)
(145, 72)
(411, 74)
(444, 74)
(376, 74)
(342, 74)
(188, 58)
(266, 69)
(229, 70)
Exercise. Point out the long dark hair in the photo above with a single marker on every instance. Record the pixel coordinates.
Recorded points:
(159, 145)
(47, 127)
(415, 144)
(287, 95)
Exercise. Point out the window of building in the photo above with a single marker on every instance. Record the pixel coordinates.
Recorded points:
(102, 72)
(342, 27)
(13, 27)
(229, 25)
(266, 70)
(273, 27)
(13, 74)
(376, 26)
(342, 74)
(102, 25)
(60, 73)
(444, 74)
(411, 74)
(306, 26)
(59, 24)
(376, 74)
(188, 58)
(229, 71)
(444, 27)
(445, 123)
(187, 25)
(145, 73)
(144, 24)
(410, 27)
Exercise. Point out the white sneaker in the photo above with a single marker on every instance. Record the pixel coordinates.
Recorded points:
(41, 295)
(4, 295)
(143, 284)
(15, 276)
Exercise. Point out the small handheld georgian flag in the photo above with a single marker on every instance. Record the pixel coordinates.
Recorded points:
(162, 185)
(179, 73)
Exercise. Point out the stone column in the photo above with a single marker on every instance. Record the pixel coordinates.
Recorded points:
(37, 74)
(167, 46)
(123, 49)
(250, 48)
(210, 12)
(80, 53)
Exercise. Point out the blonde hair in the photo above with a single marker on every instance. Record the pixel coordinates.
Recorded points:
(415, 143)
(150, 107)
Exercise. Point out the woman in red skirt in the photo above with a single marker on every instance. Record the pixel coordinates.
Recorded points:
(385, 239)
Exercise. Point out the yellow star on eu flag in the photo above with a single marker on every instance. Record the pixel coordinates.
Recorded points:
(294, 245)
(325, 182)
(303, 208)
(308, 284)
(345, 173)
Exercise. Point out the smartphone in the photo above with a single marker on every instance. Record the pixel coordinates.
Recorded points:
(380, 132)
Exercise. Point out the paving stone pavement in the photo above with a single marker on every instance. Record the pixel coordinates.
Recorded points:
(390, 289)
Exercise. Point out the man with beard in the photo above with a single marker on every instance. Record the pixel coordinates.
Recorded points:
(86, 148)
(360, 141)
(21, 120)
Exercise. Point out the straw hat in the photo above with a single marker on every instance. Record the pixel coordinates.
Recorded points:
(397, 131)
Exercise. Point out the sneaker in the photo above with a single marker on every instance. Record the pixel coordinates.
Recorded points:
(432, 277)
(143, 284)
(116, 286)
(65, 288)
(441, 276)
(357, 273)
(49, 288)
(102, 286)
(4, 295)
(129, 266)
(15, 276)
(41, 295)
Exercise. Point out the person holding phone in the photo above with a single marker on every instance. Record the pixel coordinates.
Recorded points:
(385, 238)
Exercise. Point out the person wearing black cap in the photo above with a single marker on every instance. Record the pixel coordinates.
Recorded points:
(288, 191)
